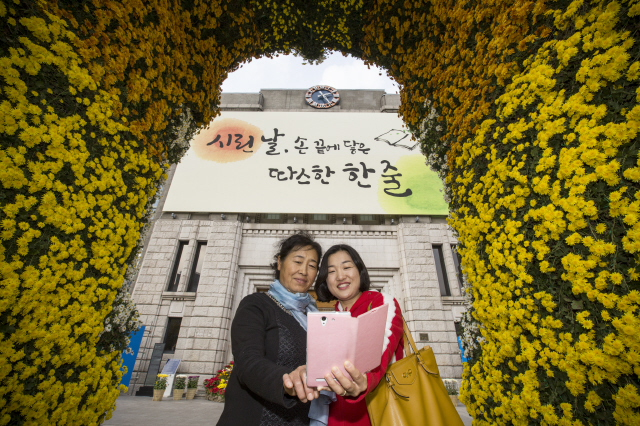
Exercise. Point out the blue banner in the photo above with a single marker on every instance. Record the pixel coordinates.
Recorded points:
(464, 359)
(129, 360)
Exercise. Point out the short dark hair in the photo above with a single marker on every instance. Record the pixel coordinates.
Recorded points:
(322, 289)
(295, 242)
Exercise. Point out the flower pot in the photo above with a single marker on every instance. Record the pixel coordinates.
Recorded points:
(191, 393)
(177, 394)
(215, 397)
(157, 394)
(454, 399)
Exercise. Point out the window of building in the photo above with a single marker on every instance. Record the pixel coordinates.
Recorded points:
(459, 330)
(321, 218)
(196, 269)
(366, 219)
(456, 262)
(273, 218)
(171, 335)
(441, 270)
(178, 267)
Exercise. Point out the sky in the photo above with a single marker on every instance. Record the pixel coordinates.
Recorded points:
(288, 72)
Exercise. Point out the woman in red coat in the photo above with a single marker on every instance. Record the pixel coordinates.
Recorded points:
(343, 277)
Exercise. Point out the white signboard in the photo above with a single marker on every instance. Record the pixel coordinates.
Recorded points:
(170, 369)
(303, 162)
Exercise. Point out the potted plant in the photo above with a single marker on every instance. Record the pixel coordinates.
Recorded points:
(159, 386)
(217, 385)
(178, 387)
(192, 386)
(452, 390)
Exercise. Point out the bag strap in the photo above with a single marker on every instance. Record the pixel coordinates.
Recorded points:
(407, 348)
(409, 343)
(408, 340)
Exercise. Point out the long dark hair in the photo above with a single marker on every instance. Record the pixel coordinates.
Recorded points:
(322, 289)
(295, 242)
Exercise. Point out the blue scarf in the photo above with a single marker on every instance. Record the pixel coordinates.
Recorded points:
(296, 303)
(299, 304)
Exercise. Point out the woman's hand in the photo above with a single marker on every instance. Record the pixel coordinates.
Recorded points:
(345, 387)
(295, 384)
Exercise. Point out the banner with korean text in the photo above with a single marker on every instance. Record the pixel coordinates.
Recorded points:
(305, 162)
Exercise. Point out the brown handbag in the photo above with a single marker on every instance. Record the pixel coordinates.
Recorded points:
(412, 392)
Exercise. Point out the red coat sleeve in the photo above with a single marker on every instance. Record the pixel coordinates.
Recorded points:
(392, 346)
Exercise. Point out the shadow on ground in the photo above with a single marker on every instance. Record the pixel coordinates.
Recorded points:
(142, 411)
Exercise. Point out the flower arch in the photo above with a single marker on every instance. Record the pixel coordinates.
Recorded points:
(529, 111)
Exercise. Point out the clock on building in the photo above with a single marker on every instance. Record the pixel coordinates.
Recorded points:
(322, 96)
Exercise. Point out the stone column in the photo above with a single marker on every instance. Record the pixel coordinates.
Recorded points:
(424, 310)
(152, 282)
(208, 323)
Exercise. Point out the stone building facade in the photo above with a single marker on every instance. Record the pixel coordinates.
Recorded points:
(412, 258)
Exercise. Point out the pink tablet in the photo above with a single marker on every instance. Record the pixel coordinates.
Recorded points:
(335, 337)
